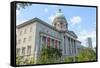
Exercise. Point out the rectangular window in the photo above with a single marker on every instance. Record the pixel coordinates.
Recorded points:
(29, 50)
(30, 29)
(20, 33)
(23, 51)
(19, 41)
(24, 40)
(25, 31)
(43, 41)
(55, 43)
(18, 51)
(52, 42)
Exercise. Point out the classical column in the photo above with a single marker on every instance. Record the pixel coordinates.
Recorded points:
(41, 43)
(73, 48)
(67, 46)
(71, 45)
(46, 42)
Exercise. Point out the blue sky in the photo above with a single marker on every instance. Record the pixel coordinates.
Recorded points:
(81, 20)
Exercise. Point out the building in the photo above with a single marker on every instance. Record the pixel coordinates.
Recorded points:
(32, 35)
(89, 42)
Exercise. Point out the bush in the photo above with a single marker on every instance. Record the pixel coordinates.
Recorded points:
(49, 55)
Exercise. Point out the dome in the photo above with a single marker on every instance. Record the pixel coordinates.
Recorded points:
(59, 16)
(60, 21)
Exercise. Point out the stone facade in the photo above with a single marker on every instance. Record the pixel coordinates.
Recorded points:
(34, 34)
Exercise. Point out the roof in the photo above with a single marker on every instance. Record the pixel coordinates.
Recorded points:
(72, 33)
(33, 20)
(44, 23)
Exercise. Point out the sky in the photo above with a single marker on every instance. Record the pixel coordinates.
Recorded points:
(81, 20)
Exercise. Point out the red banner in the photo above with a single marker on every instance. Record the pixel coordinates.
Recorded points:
(48, 42)
(55, 43)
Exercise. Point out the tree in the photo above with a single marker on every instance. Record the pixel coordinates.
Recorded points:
(18, 60)
(29, 61)
(68, 59)
(49, 55)
(86, 54)
(22, 5)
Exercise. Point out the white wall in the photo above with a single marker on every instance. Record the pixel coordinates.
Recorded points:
(5, 34)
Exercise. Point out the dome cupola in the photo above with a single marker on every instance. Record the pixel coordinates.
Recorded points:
(60, 21)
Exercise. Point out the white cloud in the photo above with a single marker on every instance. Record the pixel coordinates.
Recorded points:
(46, 10)
(75, 20)
(51, 18)
(84, 34)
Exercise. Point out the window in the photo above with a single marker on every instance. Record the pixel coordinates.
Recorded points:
(20, 33)
(29, 50)
(30, 29)
(52, 42)
(61, 25)
(23, 51)
(19, 41)
(25, 31)
(43, 41)
(18, 51)
(24, 40)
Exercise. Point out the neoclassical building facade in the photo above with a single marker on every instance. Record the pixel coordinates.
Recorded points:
(34, 34)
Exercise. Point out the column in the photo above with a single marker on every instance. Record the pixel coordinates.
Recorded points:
(64, 47)
(41, 43)
(75, 47)
(46, 42)
(67, 45)
(71, 46)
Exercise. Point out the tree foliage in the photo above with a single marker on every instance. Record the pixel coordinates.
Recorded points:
(87, 54)
(68, 59)
(22, 61)
(22, 5)
(50, 55)
(18, 60)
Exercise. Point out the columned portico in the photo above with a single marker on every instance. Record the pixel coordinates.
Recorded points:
(46, 41)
